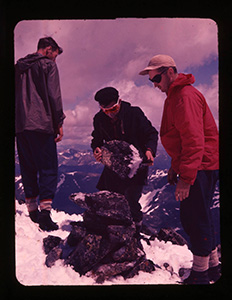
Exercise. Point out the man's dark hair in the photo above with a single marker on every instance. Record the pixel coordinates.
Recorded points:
(161, 69)
(48, 41)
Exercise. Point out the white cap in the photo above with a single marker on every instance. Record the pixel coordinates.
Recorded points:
(157, 62)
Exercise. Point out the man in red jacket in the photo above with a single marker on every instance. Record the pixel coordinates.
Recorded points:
(190, 136)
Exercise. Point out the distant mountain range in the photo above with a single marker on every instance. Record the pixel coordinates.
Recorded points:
(79, 172)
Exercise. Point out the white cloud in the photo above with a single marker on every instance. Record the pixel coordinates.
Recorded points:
(150, 100)
(78, 124)
(99, 53)
(211, 95)
(80, 116)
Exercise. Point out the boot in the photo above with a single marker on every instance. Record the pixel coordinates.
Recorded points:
(32, 208)
(45, 221)
(214, 266)
(214, 273)
(197, 278)
(34, 216)
(199, 272)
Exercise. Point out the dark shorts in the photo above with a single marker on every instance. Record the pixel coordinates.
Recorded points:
(196, 215)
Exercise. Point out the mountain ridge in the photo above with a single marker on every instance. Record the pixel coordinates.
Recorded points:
(79, 172)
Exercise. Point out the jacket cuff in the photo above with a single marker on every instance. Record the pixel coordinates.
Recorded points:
(191, 182)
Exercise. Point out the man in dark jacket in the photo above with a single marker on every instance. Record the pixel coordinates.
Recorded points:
(38, 124)
(118, 120)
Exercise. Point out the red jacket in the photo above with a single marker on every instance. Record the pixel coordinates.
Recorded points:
(188, 130)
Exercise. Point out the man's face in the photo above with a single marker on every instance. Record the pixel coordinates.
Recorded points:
(51, 54)
(164, 84)
(112, 109)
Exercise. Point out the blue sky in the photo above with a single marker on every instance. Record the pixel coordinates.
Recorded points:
(99, 53)
(203, 74)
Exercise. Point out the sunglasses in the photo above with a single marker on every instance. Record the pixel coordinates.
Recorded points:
(157, 78)
(112, 108)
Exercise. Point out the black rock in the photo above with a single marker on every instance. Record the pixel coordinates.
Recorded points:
(169, 234)
(145, 265)
(106, 205)
(21, 201)
(184, 272)
(53, 256)
(79, 199)
(77, 233)
(87, 253)
(50, 242)
(168, 268)
(122, 158)
(110, 270)
(129, 252)
(119, 234)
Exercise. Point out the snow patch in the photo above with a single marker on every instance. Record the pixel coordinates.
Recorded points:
(135, 162)
(62, 179)
(146, 200)
(72, 173)
(158, 174)
(80, 196)
(30, 258)
(76, 183)
(17, 178)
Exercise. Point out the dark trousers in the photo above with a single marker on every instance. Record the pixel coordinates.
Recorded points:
(38, 163)
(133, 194)
(196, 216)
(130, 188)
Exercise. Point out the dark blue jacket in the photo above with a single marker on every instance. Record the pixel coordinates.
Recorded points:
(131, 126)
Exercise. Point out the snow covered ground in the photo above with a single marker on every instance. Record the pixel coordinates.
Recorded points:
(30, 258)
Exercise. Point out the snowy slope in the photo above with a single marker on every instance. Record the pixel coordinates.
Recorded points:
(30, 258)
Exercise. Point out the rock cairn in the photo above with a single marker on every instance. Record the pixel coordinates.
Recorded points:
(105, 244)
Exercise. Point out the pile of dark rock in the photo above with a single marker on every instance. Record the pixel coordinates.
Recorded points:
(170, 235)
(105, 244)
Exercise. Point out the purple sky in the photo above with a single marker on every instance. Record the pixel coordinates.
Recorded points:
(100, 53)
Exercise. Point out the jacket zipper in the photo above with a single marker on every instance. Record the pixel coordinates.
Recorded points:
(122, 127)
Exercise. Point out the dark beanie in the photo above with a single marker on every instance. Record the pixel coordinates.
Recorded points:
(106, 96)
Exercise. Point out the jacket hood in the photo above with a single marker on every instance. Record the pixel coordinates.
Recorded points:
(182, 80)
(26, 62)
